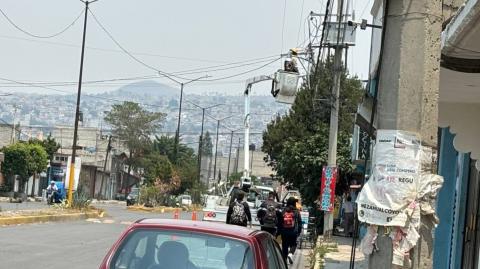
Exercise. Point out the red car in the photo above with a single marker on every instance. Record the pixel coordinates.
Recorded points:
(181, 244)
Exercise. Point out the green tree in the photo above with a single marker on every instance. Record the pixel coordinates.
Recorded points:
(24, 160)
(135, 126)
(185, 165)
(50, 145)
(207, 145)
(157, 167)
(39, 162)
(296, 144)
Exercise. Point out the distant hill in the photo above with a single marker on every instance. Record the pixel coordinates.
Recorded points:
(149, 88)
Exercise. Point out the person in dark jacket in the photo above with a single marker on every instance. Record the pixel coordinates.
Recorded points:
(269, 215)
(235, 191)
(290, 227)
(239, 212)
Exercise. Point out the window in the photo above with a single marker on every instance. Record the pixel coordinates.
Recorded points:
(158, 249)
(278, 251)
(270, 253)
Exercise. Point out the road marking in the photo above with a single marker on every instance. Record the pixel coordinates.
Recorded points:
(93, 220)
(108, 221)
(126, 222)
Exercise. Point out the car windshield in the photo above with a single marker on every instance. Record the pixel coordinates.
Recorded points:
(160, 249)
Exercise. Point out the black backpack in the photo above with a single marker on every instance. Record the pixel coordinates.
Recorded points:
(270, 218)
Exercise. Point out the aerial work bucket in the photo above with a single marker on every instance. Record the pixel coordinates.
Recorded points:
(285, 86)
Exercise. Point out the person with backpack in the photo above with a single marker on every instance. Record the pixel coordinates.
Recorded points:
(239, 212)
(290, 228)
(268, 215)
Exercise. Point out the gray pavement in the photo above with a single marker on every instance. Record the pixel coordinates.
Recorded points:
(341, 258)
(5, 206)
(73, 245)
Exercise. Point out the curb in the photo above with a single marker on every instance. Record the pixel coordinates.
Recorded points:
(317, 262)
(49, 218)
(109, 202)
(154, 210)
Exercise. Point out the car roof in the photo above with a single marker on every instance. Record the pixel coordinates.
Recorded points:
(198, 226)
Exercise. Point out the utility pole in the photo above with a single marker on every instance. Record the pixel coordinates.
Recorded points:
(14, 120)
(109, 147)
(333, 133)
(408, 97)
(177, 132)
(77, 111)
(216, 150)
(216, 147)
(237, 158)
(200, 143)
(230, 154)
(200, 147)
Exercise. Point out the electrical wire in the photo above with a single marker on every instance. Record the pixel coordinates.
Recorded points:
(40, 36)
(242, 73)
(149, 54)
(62, 91)
(130, 54)
(165, 73)
(365, 9)
(110, 50)
(301, 19)
(283, 23)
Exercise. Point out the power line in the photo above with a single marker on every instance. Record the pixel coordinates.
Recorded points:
(301, 19)
(40, 36)
(147, 54)
(242, 73)
(130, 54)
(109, 50)
(365, 9)
(90, 96)
(283, 23)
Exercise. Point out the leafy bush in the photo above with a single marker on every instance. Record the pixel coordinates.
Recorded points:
(5, 187)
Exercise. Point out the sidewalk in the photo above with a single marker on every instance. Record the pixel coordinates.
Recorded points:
(341, 259)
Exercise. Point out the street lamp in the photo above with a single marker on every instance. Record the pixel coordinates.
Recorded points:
(230, 151)
(216, 144)
(177, 133)
(200, 143)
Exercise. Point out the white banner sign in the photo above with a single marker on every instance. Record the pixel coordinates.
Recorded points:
(392, 186)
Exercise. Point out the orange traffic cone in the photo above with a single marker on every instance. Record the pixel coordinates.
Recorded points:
(194, 215)
(175, 215)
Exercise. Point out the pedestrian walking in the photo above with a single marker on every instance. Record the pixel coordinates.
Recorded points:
(239, 212)
(235, 191)
(290, 227)
(268, 215)
(348, 215)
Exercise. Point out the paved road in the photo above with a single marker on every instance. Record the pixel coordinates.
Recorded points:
(72, 245)
(22, 206)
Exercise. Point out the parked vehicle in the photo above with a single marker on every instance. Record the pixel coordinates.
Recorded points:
(181, 244)
(185, 200)
(132, 197)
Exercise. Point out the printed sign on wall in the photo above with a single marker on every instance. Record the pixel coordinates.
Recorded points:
(392, 186)
(329, 179)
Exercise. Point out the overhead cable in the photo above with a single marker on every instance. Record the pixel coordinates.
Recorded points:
(41, 36)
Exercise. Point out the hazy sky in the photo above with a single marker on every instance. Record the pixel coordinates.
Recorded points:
(170, 35)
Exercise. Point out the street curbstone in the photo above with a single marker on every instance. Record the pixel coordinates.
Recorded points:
(15, 220)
